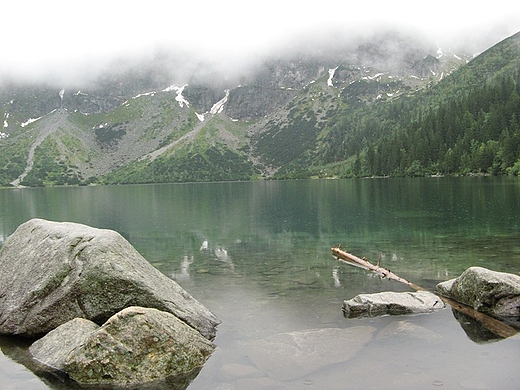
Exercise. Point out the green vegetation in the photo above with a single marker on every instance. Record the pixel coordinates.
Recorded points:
(212, 155)
(290, 144)
(13, 157)
(50, 168)
(212, 164)
(479, 133)
(467, 124)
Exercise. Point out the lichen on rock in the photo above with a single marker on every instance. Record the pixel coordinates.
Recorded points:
(53, 272)
(494, 293)
(138, 345)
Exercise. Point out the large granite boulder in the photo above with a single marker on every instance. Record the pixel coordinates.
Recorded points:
(494, 293)
(52, 272)
(393, 303)
(135, 346)
(52, 350)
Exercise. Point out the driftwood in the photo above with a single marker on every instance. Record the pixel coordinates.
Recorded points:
(494, 325)
(350, 259)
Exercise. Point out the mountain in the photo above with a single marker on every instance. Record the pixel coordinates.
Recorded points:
(330, 112)
(465, 124)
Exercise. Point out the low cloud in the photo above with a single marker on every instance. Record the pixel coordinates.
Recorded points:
(66, 43)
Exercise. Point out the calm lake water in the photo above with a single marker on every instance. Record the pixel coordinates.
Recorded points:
(257, 254)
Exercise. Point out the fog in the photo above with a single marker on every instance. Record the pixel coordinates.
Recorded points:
(65, 42)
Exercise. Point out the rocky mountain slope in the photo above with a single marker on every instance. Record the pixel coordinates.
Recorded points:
(144, 125)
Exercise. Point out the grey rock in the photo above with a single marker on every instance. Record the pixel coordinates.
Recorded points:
(52, 272)
(393, 303)
(253, 101)
(203, 97)
(135, 346)
(490, 292)
(52, 349)
(289, 356)
(444, 288)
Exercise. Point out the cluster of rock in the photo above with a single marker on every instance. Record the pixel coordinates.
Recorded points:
(135, 346)
(108, 316)
(496, 294)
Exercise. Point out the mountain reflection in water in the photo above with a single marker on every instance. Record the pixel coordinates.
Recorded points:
(257, 254)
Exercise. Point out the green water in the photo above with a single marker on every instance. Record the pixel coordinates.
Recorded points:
(258, 255)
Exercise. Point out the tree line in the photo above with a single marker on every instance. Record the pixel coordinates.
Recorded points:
(477, 133)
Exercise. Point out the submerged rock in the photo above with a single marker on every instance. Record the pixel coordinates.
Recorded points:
(289, 356)
(135, 346)
(393, 303)
(400, 330)
(53, 272)
(494, 293)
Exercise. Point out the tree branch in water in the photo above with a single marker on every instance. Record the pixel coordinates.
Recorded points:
(494, 325)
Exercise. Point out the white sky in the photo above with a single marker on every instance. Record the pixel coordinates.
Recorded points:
(52, 37)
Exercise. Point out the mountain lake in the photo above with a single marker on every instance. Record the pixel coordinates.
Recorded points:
(257, 254)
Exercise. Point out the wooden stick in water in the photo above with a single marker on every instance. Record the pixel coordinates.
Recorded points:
(494, 325)
(350, 259)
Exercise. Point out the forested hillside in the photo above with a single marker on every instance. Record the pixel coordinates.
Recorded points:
(381, 107)
(468, 123)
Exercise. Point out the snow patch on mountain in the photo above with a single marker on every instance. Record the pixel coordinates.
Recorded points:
(125, 103)
(178, 90)
(331, 76)
(30, 120)
(143, 94)
(374, 77)
(6, 125)
(218, 107)
(100, 126)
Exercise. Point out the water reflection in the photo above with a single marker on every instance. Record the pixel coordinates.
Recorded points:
(475, 330)
(259, 253)
(184, 273)
(337, 282)
(217, 252)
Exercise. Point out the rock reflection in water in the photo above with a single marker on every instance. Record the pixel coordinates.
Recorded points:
(477, 332)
